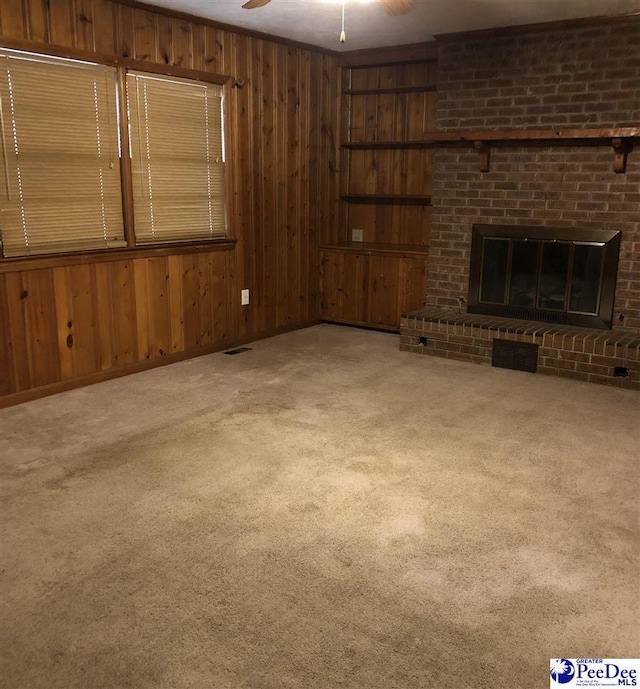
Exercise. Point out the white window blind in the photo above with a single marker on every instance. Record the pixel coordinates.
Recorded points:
(60, 144)
(177, 159)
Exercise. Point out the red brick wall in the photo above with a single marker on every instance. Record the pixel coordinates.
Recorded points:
(572, 78)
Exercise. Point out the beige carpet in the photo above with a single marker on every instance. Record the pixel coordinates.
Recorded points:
(322, 511)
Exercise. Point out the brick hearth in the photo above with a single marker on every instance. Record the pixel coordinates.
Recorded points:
(570, 352)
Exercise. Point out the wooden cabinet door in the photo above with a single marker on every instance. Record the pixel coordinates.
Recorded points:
(343, 280)
(396, 285)
(384, 278)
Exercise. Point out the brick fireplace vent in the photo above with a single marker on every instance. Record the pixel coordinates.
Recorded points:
(519, 356)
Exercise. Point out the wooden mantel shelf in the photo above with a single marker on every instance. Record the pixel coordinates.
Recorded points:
(621, 139)
(389, 199)
(497, 135)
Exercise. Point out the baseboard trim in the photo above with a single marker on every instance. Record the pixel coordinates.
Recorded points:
(100, 376)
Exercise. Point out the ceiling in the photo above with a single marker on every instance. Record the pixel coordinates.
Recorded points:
(317, 22)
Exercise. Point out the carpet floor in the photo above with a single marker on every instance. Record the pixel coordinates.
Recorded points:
(320, 512)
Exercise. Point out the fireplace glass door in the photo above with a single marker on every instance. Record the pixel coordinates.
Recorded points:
(557, 276)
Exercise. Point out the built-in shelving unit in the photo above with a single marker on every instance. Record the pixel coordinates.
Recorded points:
(385, 195)
(386, 168)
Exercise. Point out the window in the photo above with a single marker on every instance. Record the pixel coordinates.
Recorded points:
(61, 186)
(177, 159)
(60, 178)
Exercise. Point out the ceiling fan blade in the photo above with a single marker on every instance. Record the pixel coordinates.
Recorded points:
(397, 7)
(252, 4)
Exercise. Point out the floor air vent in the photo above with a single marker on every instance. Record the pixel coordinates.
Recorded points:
(519, 356)
(239, 350)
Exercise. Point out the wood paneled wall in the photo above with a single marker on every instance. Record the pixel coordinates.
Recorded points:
(77, 322)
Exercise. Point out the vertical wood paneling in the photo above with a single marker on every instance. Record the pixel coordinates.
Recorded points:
(220, 303)
(190, 303)
(214, 54)
(12, 19)
(176, 303)
(159, 326)
(317, 233)
(144, 35)
(307, 246)
(105, 319)
(37, 20)
(182, 44)
(205, 311)
(164, 26)
(39, 307)
(124, 30)
(281, 188)
(84, 28)
(104, 23)
(269, 182)
(7, 382)
(15, 322)
(292, 227)
(283, 184)
(253, 315)
(233, 296)
(78, 339)
(199, 47)
(142, 317)
(123, 312)
(62, 23)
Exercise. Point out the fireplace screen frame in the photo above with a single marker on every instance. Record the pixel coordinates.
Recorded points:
(609, 240)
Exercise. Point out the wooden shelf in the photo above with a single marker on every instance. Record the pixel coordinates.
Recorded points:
(397, 89)
(621, 139)
(388, 199)
(373, 145)
(378, 248)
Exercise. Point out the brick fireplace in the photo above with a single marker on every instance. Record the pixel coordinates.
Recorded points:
(570, 78)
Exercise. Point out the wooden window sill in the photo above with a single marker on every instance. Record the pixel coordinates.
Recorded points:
(10, 265)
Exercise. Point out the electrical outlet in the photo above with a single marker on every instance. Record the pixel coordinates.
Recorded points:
(244, 297)
(357, 235)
